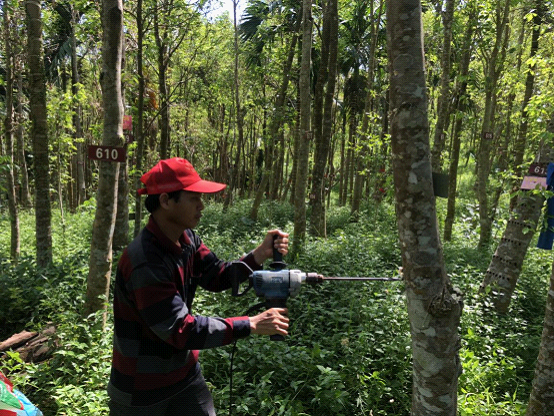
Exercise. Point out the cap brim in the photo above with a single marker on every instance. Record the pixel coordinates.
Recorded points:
(205, 187)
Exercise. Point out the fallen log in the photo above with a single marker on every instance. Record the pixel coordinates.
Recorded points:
(33, 347)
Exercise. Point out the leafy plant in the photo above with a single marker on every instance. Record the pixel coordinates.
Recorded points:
(349, 348)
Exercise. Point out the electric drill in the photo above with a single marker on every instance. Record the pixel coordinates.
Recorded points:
(278, 284)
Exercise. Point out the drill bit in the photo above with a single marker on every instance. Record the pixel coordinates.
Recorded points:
(374, 279)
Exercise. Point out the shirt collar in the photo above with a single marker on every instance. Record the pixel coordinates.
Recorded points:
(164, 241)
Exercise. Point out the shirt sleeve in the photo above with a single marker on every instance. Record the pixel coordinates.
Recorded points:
(216, 275)
(162, 309)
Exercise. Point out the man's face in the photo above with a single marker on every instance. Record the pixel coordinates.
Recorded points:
(187, 210)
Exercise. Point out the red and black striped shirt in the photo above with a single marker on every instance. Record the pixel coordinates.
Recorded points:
(156, 337)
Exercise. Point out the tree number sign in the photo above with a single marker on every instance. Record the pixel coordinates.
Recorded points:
(538, 169)
(107, 153)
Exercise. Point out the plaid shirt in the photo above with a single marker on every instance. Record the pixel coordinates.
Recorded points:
(156, 337)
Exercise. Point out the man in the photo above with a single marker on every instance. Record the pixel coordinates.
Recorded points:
(155, 368)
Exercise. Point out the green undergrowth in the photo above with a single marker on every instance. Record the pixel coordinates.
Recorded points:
(349, 350)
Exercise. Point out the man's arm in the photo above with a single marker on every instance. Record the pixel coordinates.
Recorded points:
(215, 275)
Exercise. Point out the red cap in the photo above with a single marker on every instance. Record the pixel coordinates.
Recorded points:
(176, 174)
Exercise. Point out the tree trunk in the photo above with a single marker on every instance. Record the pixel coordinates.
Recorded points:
(504, 269)
(239, 117)
(162, 86)
(24, 194)
(121, 231)
(98, 281)
(9, 134)
(276, 123)
(434, 307)
(456, 140)
(39, 133)
(444, 95)
(521, 140)
(78, 134)
(502, 153)
(494, 66)
(305, 132)
(343, 172)
(541, 400)
(323, 122)
(361, 176)
(139, 125)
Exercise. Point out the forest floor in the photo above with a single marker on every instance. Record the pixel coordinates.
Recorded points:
(348, 352)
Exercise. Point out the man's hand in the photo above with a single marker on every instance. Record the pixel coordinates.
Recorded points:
(265, 250)
(271, 322)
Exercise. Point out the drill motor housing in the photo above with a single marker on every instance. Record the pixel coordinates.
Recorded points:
(280, 284)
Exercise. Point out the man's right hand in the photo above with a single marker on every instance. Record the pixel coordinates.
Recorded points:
(271, 322)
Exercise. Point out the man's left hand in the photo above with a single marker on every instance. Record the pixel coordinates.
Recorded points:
(265, 250)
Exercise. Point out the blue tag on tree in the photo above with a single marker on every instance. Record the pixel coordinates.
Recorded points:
(546, 238)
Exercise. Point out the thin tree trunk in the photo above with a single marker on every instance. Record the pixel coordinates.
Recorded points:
(139, 126)
(78, 135)
(9, 134)
(305, 135)
(343, 163)
(24, 194)
(98, 282)
(434, 307)
(502, 153)
(444, 95)
(276, 123)
(322, 123)
(521, 140)
(39, 133)
(541, 400)
(162, 87)
(483, 158)
(361, 178)
(504, 269)
(121, 231)
(235, 177)
(296, 144)
(456, 140)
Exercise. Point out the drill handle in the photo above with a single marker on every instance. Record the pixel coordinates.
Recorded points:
(276, 303)
(278, 263)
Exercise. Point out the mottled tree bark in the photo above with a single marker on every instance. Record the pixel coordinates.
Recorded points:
(100, 264)
(434, 307)
(39, 133)
(541, 400)
(504, 269)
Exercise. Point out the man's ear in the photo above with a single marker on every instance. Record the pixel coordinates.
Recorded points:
(164, 200)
